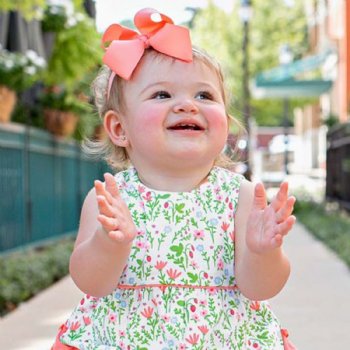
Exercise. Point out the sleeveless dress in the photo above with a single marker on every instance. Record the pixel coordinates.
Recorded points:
(178, 288)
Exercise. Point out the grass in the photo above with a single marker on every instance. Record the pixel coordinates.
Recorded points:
(328, 223)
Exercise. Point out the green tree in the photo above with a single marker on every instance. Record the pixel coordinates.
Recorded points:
(273, 24)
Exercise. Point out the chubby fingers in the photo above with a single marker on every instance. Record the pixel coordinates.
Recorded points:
(280, 199)
(111, 185)
(259, 201)
(286, 210)
(282, 229)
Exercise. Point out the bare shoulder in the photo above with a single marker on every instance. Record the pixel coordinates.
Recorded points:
(88, 218)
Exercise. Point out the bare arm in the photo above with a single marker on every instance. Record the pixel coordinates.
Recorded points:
(104, 240)
(261, 267)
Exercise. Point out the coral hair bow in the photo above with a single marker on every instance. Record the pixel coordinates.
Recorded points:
(126, 46)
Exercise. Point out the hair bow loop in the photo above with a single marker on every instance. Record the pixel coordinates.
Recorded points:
(126, 46)
(149, 20)
(173, 41)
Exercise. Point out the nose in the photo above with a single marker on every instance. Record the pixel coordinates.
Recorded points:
(186, 106)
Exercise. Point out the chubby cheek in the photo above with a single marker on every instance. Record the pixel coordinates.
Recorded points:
(148, 122)
(218, 122)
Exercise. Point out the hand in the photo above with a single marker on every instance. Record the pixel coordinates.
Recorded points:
(268, 224)
(114, 216)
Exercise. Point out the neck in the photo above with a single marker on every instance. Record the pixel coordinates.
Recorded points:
(179, 180)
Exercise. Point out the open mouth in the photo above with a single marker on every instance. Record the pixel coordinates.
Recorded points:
(186, 126)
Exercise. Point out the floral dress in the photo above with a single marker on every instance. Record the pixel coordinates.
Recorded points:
(178, 288)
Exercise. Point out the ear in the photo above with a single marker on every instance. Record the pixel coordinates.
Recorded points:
(114, 128)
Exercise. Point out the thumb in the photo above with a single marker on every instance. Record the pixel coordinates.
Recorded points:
(259, 201)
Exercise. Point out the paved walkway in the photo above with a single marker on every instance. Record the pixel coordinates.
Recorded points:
(314, 305)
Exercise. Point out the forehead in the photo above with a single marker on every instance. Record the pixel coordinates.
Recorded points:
(158, 67)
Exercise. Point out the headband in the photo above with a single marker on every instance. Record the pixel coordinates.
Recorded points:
(125, 47)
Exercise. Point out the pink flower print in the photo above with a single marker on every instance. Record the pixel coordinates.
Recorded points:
(82, 301)
(195, 317)
(230, 205)
(204, 313)
(203, 302)
(112, 317)
(219, 198)
(122, 334)
(122, 345)
(194, 264)
(203, 329)
(141, 204)
(166, 318)
(232, 235)
(225, 226)
(154, 301)
(147, 197)
(220, 264)
(147, 312)
(140, 233)
(87, 320)
(193, 339)
(198, 234)
(173, 274)
(140, 244)
(149, 258)
(182, 347)
(160, 265)
(74, 326)
(140, 189)
(255, 305)
(212, 290)
(166, 205)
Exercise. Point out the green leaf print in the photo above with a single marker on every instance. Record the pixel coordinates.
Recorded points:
(164, 196)
(178, 249)
(193, 277)
(179, 207)
(181, 303)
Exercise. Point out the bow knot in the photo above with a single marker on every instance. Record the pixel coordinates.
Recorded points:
(145, 40)
(125, 47)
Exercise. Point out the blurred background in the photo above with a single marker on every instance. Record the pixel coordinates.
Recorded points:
(287, 65)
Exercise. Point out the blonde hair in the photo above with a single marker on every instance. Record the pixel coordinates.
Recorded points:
(117, 157)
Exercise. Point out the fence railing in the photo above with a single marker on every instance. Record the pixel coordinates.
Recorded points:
(338, 165)
(43, 182)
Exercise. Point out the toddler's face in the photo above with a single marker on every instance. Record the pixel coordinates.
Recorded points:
(175, 114)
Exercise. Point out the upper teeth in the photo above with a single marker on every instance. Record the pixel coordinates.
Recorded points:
(183, 124)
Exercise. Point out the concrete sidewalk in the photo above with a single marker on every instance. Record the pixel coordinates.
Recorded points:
(314, 305)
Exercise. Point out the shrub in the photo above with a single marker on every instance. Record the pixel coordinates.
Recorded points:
(23, 275)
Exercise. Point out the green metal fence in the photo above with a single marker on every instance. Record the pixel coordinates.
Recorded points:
(43, 182)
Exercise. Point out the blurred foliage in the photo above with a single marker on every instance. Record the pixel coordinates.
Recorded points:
(272, 24)
(27, 8)
(19, 71)
(26, 273)
(32, 9)
(326, 222)
(76, 52)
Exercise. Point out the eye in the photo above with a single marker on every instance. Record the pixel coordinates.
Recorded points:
(205, 95)
(160, 95)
